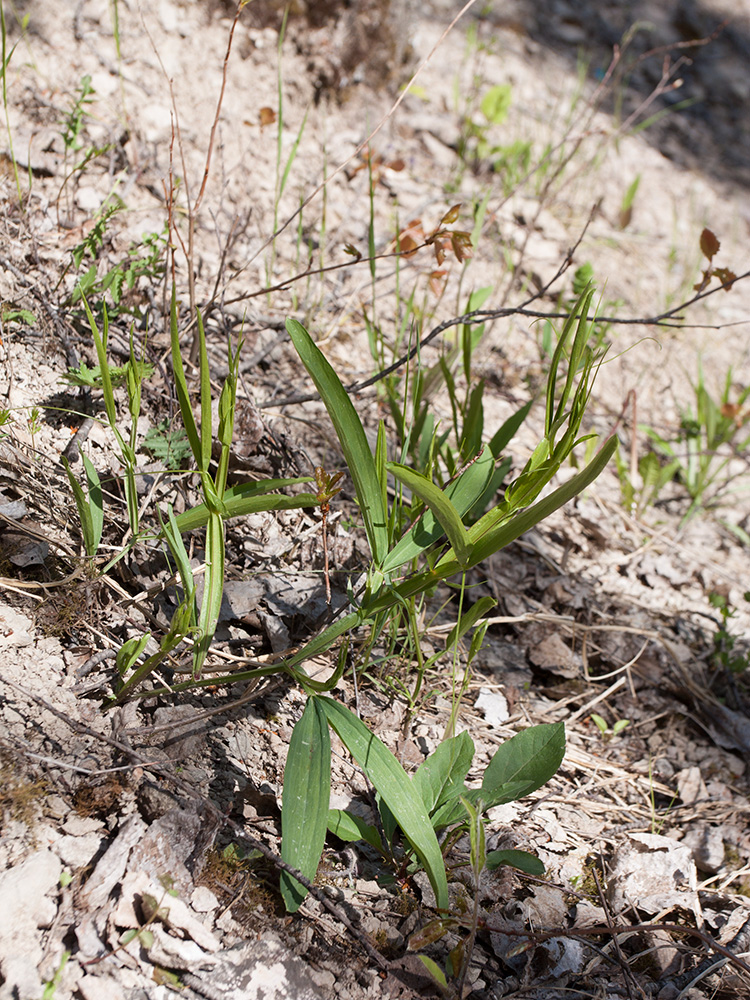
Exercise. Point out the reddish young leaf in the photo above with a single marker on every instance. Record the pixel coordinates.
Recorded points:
(726, 277)
(461, 243)
(709, 244)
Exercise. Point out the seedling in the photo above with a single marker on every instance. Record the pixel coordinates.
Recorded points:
(603, 727)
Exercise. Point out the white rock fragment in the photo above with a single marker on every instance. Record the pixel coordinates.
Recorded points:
(203, 900)
(493, 705)
(25, 907)
(653, 873)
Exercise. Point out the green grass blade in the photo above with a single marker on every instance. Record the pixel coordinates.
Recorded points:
(352, 438)
(305, 801)
(100, 343)
(395, 788)
(205, 395)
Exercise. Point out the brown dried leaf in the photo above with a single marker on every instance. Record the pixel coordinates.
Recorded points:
(266, 116)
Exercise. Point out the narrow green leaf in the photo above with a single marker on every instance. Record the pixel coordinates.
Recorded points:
(396, 789)
(487, 537)
(468, 620)
(305, 800)
(84, 510)
(441, 777)
(531, 757)
(250, 498)
(477, 838)
(204, 459)
(521, 860)
(434, 970)
(352, 438)
(212, 590)
(439, 504)
(96, 501)
(347, 826)
(462, 493)
(183, 395)
(129, 652)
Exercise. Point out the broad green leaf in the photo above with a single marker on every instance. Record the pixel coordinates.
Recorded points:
(453, 811)
(396, 789)
(439, 504)
(462, 493)
(521, 860)
(96, 501)
(352, 438)
(305, 801)
(347, 826)
(441, 777)
(531, 757)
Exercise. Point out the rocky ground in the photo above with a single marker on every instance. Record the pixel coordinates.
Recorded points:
(138, 845)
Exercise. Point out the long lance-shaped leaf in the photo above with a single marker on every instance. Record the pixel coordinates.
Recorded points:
(212, 590)
(395, 788)
(440, 505)
(487, 537)
(463, 492)
(352, 438)
(250, 498)
(305, 801)
(181, 387)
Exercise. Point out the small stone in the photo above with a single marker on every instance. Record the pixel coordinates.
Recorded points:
(203, 900)
(77, 852)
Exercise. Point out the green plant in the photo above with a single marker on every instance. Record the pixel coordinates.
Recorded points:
(520, 766)
(723, 655)
(712, 432)
(167, 444)
(132, 375)
(71, 131)
(307, 776)
(50, 987)
(603, 727)
(145, 259)
(582, 278)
